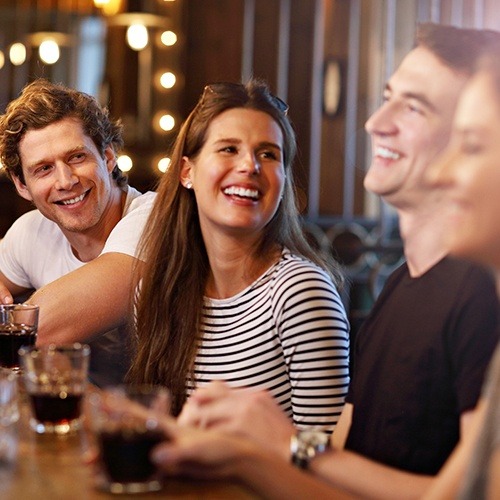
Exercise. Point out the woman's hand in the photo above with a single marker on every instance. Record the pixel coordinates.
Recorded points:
(247, 413)
(200, 453)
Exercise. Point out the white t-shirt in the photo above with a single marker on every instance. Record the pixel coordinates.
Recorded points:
(35, 252)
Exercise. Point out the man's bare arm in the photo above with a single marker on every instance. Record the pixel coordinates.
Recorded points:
(90, 300)
(339, 436)
(366, 478)
(494, 476)
(448, 481)
(9, 290)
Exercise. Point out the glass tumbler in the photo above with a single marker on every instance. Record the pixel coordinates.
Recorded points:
(55, 378)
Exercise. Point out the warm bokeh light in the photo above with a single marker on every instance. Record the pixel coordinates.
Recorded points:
(167, 122)
(109, 7)
(17, 53)
(168, 38)
(2, 62)
(137, 36)
(167, 80)
(163, 164)
(125, 163)
(49, 51)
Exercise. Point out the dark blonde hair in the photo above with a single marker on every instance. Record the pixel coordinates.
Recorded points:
(42, 103)
(176, 268)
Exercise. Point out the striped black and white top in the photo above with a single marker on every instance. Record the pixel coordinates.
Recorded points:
(287, 333)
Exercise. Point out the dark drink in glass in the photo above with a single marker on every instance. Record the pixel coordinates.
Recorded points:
(13, 337)
(55, 378)
(59, 413)
(125, 454)
(56, 409)
(126, 424)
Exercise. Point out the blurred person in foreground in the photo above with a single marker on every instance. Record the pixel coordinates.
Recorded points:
(230, 288)
(77, 249)
(420, 357)
(469, 177)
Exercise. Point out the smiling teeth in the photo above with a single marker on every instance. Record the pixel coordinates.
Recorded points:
(242, 192)
(387, 153)
(73, 200)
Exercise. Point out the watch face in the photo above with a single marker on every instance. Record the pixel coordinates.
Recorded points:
(314, 438)
(306, 445)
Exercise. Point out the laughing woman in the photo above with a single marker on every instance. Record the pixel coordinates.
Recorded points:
(231, 290)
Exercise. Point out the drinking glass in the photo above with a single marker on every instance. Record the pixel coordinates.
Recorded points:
(125, 421)
(55, 378)
(18, 327)
(9, 415)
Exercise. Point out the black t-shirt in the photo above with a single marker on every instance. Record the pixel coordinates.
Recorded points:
(419, 362)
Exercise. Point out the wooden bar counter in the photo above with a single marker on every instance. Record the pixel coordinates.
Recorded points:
(51, 467)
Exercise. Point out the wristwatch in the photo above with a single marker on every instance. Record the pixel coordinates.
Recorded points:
(305, 445)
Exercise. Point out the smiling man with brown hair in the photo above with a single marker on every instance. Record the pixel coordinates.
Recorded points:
(77, 249)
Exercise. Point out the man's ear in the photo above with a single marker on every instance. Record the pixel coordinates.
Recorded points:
(185, 175)
(21, 188)
(110, 157)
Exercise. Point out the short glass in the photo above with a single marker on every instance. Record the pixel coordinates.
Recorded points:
(18, 328)
(55, 378)
(124, 420)
(9, 415)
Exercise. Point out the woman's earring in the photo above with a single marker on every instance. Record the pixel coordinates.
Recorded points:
(189, 185)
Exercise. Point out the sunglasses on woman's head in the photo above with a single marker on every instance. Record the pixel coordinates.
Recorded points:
(220, 87)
